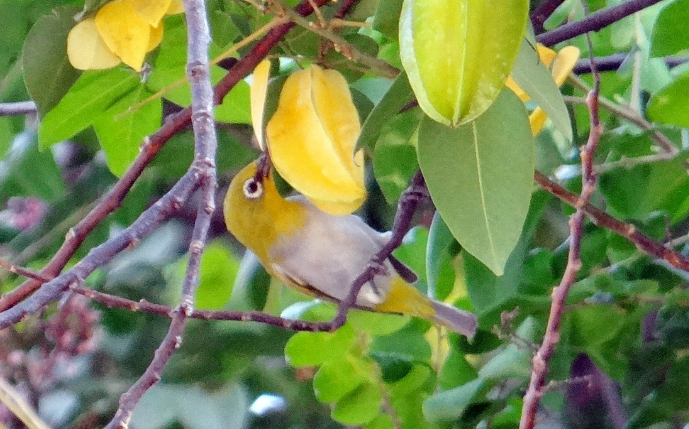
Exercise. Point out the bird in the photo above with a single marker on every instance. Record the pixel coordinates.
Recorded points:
(321, 254)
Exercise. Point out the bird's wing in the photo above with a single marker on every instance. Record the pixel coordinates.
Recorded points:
(328, 254)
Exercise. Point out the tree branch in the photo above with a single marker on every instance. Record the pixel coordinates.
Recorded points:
(17, 108)
(539, 368)
(614, 61)
(112, 200)
(203, 123)
(593, 22)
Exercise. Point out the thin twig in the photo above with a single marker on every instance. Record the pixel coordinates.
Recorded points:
(593, 22)
(614, 61)
(602, 219)
(539, 371)
(632, 116)
(17, 108)
(346, 48)
(203, 123)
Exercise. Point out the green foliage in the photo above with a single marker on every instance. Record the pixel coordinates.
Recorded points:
(484, 203)
(494, 246)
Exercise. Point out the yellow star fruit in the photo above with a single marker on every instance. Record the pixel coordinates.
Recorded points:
(122, 31)
(259, 88)
(312, 136)
(562, 63)
(86, 49)
(150, 11)
(125, 33)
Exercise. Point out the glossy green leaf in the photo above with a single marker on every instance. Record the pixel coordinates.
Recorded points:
(376, 323)
(670, 105)
(121, 133)
(359, 406)
(480, 177)
(314, 348)
(92, 94)
(450, 405)
(394, 162)
(398, 95)
(47, 71)
(458, 64)
(336, 378)
(671, 30)
(536, 80)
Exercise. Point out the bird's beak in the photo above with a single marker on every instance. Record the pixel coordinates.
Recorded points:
(263, 170)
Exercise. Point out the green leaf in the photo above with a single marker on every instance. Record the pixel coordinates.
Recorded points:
(92, 94)
(671, 30)
(515, 360)
(408, 343)
(336, 378)
(670, 105)
(359, 406)
(458, 64)
(217, 275)
(47, 71)
(314, 348)
(393, 366)
(235, 105)
(450, 405)
(121, 133)
(480, 177)
(394, 162)
(397, 96)
(382, 421)
(439, 240)
(6, 135)
(639, 191)
(387, 17)
(488, 292)
(376, 323)
(537, 81)
(30, 172)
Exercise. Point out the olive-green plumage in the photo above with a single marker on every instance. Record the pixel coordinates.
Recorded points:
(321, 254)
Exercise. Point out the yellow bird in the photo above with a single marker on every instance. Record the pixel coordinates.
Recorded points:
(321, 254)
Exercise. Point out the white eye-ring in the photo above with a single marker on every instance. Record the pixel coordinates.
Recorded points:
(252, 188)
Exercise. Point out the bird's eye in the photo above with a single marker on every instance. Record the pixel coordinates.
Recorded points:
(252, 188)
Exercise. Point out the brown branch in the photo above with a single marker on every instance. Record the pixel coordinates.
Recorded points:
(614, 61)
(110, 201)
(203, 123)
(17, 108)
(539, 362)
(602, 219)
(98, 256)
(407, 206)
(593, 22)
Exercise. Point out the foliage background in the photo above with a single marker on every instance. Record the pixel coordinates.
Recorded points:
(621, 357)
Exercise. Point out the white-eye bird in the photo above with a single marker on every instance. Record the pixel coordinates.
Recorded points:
(322, 254)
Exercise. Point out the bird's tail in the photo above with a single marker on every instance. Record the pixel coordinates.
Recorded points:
(461, 321)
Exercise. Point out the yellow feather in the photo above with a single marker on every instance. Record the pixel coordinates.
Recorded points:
(320, 254)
